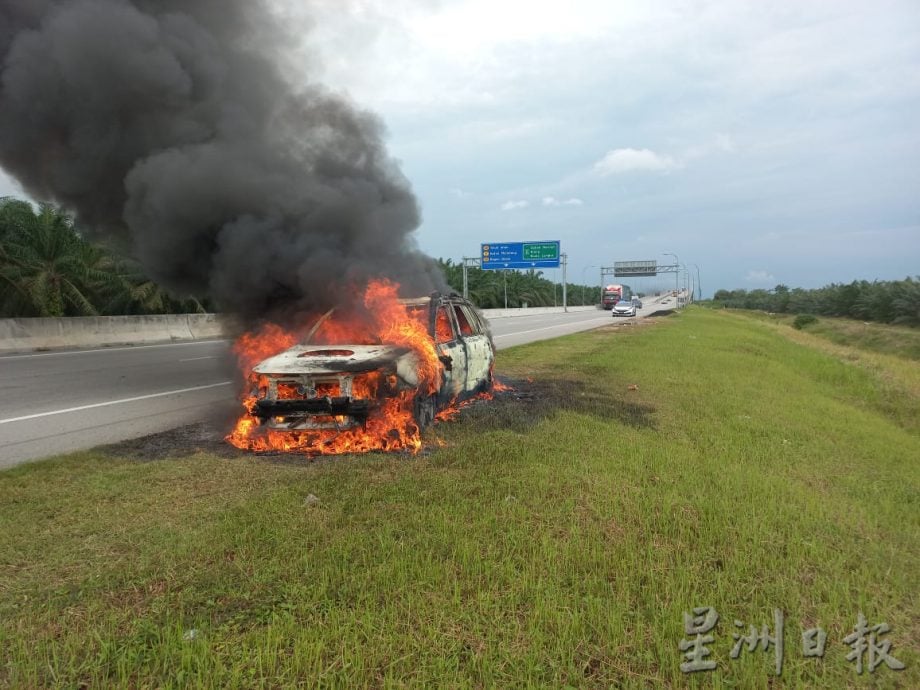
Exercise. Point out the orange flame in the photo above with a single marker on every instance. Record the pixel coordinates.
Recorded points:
(391, 422)
(499, 387)
(252, 348)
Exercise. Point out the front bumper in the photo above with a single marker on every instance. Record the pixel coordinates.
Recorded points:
(318, 413)
(320, 406)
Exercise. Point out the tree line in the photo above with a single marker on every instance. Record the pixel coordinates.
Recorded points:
(885, 301)
(48, 267)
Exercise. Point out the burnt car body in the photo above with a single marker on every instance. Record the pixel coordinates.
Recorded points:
(323, 386)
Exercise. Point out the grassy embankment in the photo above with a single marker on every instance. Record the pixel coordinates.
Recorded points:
(899, 341)
(549, 542)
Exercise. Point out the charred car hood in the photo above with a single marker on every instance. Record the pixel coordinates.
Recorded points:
(323, 359)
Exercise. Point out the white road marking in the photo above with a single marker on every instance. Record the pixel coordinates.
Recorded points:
(114, 402)
(195, 359)
(113, 349)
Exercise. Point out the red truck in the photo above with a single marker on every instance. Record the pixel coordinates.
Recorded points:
(611, 295)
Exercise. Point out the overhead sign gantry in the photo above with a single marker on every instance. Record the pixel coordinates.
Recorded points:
(640, 269)
(635, 269)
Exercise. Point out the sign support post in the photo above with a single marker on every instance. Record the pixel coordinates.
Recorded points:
(565, 304)
(468, 261)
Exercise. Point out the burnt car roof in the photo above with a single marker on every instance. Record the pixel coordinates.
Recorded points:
(330, 358)
(438, 296)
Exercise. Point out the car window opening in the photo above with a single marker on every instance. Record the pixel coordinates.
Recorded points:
(443, 329)
(464, 325)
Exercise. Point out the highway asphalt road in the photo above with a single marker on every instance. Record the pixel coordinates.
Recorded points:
(58, 402)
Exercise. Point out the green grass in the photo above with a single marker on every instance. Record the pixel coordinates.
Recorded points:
(553, 540)
(884, 374)
(900, 341)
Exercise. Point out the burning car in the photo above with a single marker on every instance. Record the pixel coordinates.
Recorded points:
(347, 387)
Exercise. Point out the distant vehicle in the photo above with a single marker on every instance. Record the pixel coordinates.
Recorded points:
(611, 295)
(637, 303)
(624, 308)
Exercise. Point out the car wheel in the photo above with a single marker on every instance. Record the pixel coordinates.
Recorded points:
(424, 410)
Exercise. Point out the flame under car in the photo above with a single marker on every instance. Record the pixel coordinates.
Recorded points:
(316, 387)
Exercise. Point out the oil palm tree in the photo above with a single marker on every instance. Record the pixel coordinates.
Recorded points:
(135, 293)
(486, 288)
(46, 267)
(533, 288)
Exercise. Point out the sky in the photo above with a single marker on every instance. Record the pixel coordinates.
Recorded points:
(763, 143)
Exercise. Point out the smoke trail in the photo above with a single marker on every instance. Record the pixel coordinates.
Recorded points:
(169, 124)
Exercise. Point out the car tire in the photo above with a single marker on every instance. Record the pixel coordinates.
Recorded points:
(424, 409)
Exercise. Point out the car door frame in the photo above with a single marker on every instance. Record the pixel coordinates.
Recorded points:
(454, 384)
(479, 349)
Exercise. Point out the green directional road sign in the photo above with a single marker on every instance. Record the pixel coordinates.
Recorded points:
(540, 251)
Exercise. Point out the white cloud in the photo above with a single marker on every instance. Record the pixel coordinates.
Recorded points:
(719, 144)
(754, 98)
(553, 201)
(760, 277)
(473, 52)
(724, 143)
(516, 130)
(458, 193)
(629, 160)
(512, 205)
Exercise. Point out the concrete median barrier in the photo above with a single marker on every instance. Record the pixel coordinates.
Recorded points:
(25, 335)
(22, 335)
(531, 311)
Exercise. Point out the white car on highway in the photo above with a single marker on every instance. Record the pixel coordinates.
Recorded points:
(624, 308)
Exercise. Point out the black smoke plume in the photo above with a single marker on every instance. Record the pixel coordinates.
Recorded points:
(170, 126)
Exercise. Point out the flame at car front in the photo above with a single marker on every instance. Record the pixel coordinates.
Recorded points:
(354, 409)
